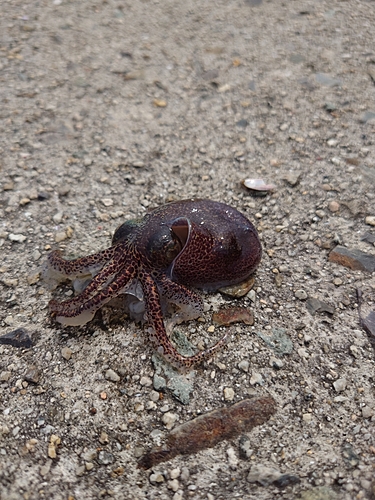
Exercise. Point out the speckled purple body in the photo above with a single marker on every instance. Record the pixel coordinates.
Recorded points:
(199, 243)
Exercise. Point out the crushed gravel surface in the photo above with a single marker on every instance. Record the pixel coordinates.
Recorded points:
(110, 108)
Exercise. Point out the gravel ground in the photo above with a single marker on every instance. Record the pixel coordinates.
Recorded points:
(109, 108)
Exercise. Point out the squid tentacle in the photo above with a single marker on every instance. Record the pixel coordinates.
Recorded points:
(79, 267)
(190, 304)
(103, 279)
(70, 308)
(158, 334)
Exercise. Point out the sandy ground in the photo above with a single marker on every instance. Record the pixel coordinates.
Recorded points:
(109, 108)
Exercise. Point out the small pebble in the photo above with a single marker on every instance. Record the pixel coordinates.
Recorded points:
(66, 353)
(276, 363)
(332, 142)
(32, 375)
(169, 419)
(244, 365)
(57, 218)
(301, 294)
(228, 394)
(10, 282)
(60, 236)
(9, 320)
(154, 396)
(33, 278)
(307, 418)
(160, 103)
(138, 451)
(292, 178)
(5, 376)
(63, 190)
(52, 445)
(370, 220)
(90, 455)
(138, 407)
(354, 350)
(303, 353)
(245, 449)
(333, 206)
(279, 278)
(151, 405)
(18, 238)
(339, 384)
(337, 281)
(179, 495)
(173, 485)
(367, 412)
(36, 255)
(256, 378)
(156, 435)
(42, 196)
(185, 474)
(175, 473)
(252, 295)
(107, 202)
(232, 457)
(103, 438)
(8, 186)
(146, 381)
(239, 290)
(112, 376)
(105, 458)
(156, 478)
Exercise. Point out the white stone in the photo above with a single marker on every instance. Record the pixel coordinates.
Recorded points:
(107, 202)
(173, 484)
(146, 381)
(232, 457)
(156, 478)
(57, 218)
(256, 378)
(19, 238)
(174, 473)
(367, 412)
(244, 365)
(307, 418)
(339, 384)
(112, 376)
(228, 394)
(169, 419)
(370, 220)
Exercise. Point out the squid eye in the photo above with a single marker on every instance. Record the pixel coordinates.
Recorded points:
(173, 248)
(163, 247)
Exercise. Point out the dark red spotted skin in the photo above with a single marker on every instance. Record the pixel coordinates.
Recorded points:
(199, 243)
